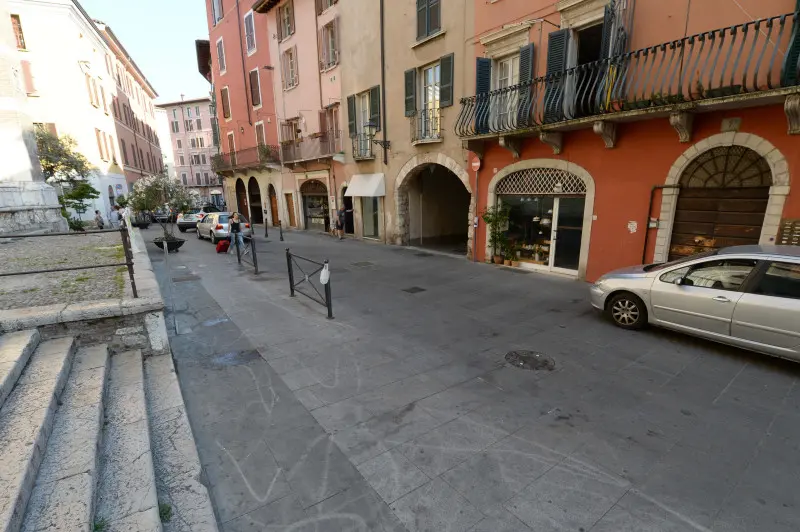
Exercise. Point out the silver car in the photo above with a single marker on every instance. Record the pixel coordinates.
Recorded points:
(746, 296)
(216, 226)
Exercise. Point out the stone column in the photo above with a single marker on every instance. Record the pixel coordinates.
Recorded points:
(27, 203)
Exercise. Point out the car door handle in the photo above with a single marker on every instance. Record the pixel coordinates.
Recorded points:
(721, 299)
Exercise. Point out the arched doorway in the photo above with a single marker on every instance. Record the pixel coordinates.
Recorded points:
(273, 205)
(347, 201)
(255, 201)
(241, 198)
(437, 209)
(722, 201)
(315, 205)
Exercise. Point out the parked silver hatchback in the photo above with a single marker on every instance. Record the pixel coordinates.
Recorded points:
(216, 226)
(746, 296)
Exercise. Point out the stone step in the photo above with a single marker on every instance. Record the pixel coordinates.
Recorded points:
(15, 350)
(26, 420)
(126, 492)
(63, 497)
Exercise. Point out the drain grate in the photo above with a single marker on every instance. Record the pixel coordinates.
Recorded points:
(185, 278)
(531, 360)
(414, 290)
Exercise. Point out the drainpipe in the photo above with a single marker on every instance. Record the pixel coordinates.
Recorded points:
(475, 222)
(383, 89)
(647, 220)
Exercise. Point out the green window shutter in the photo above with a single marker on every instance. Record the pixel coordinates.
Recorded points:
(351, 115)
(446, 85)
(526, 64)
(790, 74)
(411, 92)
(483, 75)
(422, 18)
(434, 16)
(526, 75)
(608, 28)
(557, 49)
(375, 107)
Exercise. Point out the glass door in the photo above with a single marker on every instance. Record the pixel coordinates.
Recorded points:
(567, 232)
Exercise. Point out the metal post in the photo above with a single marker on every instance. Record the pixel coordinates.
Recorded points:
(291, 274)
(238, 251)
(328, 302)
(126, 245)
(280, 224)
(266, 225)
(253, 251)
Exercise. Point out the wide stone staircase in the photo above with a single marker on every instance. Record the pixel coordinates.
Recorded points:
(75, 442)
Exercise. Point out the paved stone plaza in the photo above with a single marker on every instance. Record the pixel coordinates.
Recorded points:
(402, 414)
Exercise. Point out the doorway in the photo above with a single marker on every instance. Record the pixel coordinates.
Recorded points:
(241, 198)
(273, 206)
(255, 201)
(347, 201)
(315, 205)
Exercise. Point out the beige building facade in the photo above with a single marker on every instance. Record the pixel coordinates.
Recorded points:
(406, 168)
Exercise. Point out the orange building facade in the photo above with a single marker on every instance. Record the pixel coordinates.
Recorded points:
(629, 131)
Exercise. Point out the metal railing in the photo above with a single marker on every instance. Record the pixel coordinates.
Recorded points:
(736, 60)
(242, 255)
(255, 157)
(325, 144)
(426, 124)
(126, 246)
(362, 147)
(324, 297)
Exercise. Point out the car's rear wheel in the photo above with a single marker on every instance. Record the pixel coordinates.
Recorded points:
(212, 237)
(627, 311)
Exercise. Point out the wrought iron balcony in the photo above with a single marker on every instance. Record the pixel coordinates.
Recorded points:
(319, 146)
(426, 125)
(737, 60)
(362, 147)
(256, 157)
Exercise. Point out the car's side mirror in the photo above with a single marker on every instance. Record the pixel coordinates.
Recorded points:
(679, 281)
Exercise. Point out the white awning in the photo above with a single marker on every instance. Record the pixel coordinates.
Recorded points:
(366, 186)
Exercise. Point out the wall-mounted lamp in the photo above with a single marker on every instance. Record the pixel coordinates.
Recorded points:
(370, 128)
(241, 129)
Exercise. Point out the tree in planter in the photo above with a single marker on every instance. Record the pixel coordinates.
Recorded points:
(160, 191)
(496, 219)
(69, 170)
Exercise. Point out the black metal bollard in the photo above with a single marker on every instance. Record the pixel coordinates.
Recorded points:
(328, 301)
(253, 253)
(235, 237)
(266, 227)
(291, 274)
(280, 224)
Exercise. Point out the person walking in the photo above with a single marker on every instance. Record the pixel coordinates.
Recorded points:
(341, 219)
(98, 219)
(113, 219)
(236, 234)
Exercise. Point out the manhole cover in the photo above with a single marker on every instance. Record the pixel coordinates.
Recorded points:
(423, 254)
(414, 290)
(532, 360)
(185, 278)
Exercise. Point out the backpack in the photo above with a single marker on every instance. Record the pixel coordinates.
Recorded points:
(222, 246)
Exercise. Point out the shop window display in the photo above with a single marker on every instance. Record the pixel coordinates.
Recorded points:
(530, 227)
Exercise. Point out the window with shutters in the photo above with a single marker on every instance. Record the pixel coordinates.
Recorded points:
(203, 159)
(322, 5)
(285, 21)
(221, 56)
(226, 103)
(261, 138)
(205, 178)
(201, 142)
(290, 130)
(291, 76)
(99, 137)
(429, 18)
(27, 78)
(506, 74)
(216, 10)
(362, 107)
(193, 142)
(124, 151)
(17, 26)
(183, 178)
(176, 127)
(189, 125)
(329, 45)
(250, 33)
(179, 144)
(103, 96)
(255, 88)
(428, 125)
(189, 112)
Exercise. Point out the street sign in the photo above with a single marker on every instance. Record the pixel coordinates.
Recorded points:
(476, 164)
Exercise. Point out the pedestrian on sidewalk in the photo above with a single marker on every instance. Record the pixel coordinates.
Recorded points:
(341, 218)
(98, 219)
(236, 234)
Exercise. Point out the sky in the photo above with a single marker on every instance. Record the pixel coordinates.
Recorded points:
(159, 35)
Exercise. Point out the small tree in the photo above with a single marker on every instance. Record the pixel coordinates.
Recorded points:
(496, 218)
(160, 191)
(122, 201)
(68, 169)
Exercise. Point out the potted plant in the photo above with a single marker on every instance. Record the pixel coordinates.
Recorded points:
(508, 253)
(496, 219)
(161, 191)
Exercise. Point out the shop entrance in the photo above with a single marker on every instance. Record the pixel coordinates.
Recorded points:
(255, 201)
(438, 210)
(347, 201)
(273, 205)
(722, 201)
(241, 198)
(546, 218)
(315, 205)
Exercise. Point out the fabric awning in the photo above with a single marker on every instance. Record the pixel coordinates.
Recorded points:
(366, 186)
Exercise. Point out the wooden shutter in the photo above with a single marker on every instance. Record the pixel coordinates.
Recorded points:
(279, 19)
(434, 16)
(351, 115)
(255, 90)
(290, 8)
(526, 64)
(200, 121)
(557, 50)
(322, 49)
(226, 104)
(422, 18)
(27, 77)
(411, 92)
(323, 121)
(790, 74)
(320, 7)
(483, 84)
(260, 138)
(336, 30)
(526, 75)
(89, 88)
(375, 107)
(608, 28)
(446, 86)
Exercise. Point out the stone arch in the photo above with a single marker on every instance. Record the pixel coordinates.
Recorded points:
(255, 200)
(408, 170)
(572, 168)
(777, 192)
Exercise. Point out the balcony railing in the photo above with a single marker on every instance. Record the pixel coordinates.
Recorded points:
(426, 125)
(247, 158)
(362, 147)
(320, 146)
(736, 60)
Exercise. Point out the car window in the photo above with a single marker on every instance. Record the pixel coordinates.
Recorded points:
(782, 279)
(726, 274)
(674, 275)
(223, 218)
(663, 265)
